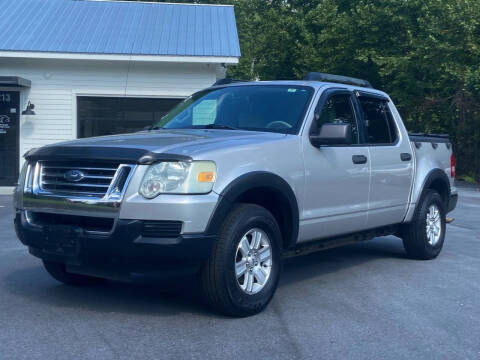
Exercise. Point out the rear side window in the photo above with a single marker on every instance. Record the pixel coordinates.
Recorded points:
(381, 128)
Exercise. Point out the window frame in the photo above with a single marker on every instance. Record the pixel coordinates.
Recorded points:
(356, 113)
(374, 96)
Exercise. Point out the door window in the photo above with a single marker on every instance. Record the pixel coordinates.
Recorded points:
(379, 121)
(339, 109)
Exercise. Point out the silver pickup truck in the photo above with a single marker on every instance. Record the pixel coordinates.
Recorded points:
(231, 181)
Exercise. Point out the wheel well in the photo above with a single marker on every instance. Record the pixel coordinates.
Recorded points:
(277, 204)
(439, 186)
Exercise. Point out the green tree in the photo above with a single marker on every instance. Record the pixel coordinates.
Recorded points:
(424, 53)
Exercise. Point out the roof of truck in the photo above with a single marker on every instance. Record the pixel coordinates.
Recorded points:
(314, 84)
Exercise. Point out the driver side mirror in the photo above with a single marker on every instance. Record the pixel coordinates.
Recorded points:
(332, 134)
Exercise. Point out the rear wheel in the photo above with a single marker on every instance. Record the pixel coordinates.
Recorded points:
(423, 238)
(59, 273)
(243, 270)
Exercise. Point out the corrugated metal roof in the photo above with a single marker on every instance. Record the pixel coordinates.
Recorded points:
(118, 27)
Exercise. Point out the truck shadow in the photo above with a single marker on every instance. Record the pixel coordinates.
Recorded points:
(321, 263)
(182, 296)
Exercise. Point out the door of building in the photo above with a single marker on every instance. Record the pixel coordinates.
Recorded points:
(9, 139)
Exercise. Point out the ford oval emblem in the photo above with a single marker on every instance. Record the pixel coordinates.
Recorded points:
(74, 175)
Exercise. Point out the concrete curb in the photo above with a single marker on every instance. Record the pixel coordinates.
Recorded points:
(6, 190)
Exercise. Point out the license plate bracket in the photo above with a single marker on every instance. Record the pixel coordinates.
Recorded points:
(62, 240)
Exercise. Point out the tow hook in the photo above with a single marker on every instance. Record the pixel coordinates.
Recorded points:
(449, 220)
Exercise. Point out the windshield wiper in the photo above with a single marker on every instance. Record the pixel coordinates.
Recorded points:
(219, 126)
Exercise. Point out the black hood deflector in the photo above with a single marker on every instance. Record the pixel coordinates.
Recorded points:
(101, 153)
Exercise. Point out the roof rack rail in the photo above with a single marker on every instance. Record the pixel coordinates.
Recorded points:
(317, 76)
(227, 80)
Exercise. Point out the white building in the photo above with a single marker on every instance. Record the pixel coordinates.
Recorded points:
(101, 67)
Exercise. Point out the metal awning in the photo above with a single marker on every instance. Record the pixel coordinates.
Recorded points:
(14, 81)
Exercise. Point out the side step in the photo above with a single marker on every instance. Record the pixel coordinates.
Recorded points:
(324, 244)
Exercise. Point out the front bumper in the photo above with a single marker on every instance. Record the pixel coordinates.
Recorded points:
(121, 254)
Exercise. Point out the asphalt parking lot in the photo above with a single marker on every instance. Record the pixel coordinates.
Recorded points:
(363, 301)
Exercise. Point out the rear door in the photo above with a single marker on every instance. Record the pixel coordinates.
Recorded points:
(9, 108)
(337, 176)
(391, 161)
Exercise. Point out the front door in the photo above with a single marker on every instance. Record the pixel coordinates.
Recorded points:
(337, 177)
(9, 114)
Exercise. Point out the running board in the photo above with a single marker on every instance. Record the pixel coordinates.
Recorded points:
(330, 243)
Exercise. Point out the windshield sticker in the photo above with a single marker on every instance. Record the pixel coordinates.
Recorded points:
(292, 90)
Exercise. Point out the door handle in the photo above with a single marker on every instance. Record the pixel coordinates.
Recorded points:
(359, 159)
(405, 156)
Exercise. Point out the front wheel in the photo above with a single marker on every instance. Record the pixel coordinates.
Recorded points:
(423, 238)
(242, 273)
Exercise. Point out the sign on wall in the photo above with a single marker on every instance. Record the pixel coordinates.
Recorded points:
(4, 123)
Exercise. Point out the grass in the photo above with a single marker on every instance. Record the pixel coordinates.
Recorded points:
(467, 179)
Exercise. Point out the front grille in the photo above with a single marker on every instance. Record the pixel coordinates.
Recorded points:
(81, 178)
(162, 228)
(88, 223)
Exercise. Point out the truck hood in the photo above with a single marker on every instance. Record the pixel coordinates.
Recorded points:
(186, 142)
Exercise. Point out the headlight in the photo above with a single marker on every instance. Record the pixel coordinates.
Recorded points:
(179, 177)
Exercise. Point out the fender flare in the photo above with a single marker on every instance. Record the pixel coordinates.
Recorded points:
(250, 181)
(434, 175)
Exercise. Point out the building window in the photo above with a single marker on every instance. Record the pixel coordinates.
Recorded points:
(97, 116)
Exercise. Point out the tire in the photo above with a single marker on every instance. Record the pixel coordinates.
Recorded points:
(234, 295)
(59, 273)
(415, 235)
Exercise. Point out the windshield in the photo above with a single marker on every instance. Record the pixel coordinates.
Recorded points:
(275, 108)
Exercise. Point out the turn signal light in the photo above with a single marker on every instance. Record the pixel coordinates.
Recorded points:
(206, 176)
